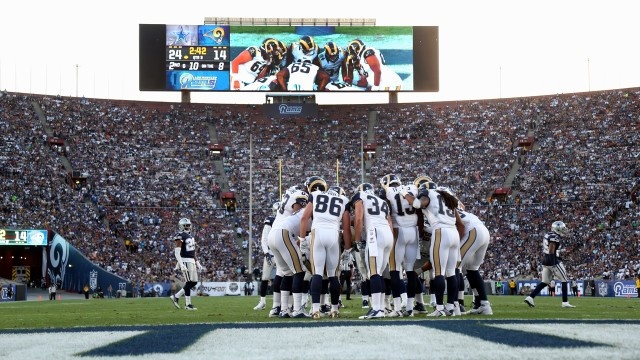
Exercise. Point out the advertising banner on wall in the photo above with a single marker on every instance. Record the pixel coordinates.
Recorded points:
(71, 270)
(616, 288)
(603, 288)
(292, 109)
(222, 288)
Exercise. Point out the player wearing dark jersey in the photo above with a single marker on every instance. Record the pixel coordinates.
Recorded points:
(185, 253)
(552, 266)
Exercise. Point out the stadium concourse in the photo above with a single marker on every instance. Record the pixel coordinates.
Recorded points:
(140, 166)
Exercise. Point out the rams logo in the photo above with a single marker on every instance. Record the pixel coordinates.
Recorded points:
(216, 34)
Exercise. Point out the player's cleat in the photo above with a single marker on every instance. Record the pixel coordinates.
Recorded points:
(365, 304)
(456, 310)
(419, 308)
(567, 305)
(529, 301)
(463, 310)
(387, 311)
(285, 314)
(300, 314)
(316, 315)
(260, 306)
(340, 306)
(190, 307)
(408, 313)
(175, 301)
(334, 314)
(482, 310)
(485, 309)
(437, 313)
(393, 314)
(365, 316)
(376, 314)
(274, 312)
(325, 309)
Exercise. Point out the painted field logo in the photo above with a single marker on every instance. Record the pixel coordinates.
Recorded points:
(487, 339)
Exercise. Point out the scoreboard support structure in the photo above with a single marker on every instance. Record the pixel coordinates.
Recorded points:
(185, 96)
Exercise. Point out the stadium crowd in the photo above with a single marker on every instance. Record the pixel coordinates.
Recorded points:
(148, 165)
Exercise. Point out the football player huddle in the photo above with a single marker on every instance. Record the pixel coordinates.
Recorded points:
(305, 66)
(388, 224)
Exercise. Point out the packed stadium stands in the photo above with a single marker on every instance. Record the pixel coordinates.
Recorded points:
(145, 165)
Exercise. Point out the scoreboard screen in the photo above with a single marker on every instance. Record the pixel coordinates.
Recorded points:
(23, 237)
(249, 58)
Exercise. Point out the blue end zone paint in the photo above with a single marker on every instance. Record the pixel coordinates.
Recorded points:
(172, 339)
(163, 339)
(514, 338)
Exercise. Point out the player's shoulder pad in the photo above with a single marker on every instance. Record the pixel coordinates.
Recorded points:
(367, 53)
(253, 50)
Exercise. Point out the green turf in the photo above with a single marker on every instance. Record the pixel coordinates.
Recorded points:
(152, 311)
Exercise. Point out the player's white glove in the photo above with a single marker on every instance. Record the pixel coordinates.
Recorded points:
(183, 268)
(269, 257)
(305, 247)
(403, 192)
(346, 255)
(199, 267)
(362, 245)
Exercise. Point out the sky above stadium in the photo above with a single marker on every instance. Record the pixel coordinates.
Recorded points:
(488, 49)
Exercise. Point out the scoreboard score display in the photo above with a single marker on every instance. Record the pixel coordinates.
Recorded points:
(197, 57)
(23, 237)
(208, 57)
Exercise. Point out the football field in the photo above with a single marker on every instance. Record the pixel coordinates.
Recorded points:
(228, 328)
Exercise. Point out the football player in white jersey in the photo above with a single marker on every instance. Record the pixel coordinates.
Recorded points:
(293, 199)
(268, 262)
(332, 60)
(302, 76)
(379, 76)
(355, 74)
(185, 253)
(552, 265)
(405, 245)
(440, 209)
(473, 248)
(253, 63)
(284, 245)
(305, 49)
(372, 216)
(267, 83)
(327, 209)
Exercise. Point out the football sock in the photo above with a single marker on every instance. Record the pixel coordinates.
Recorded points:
(452, 283)
(565, 292)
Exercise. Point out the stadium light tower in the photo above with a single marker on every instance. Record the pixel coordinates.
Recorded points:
(77, 66)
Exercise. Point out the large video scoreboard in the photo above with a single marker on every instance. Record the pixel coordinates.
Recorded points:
(205, 57)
